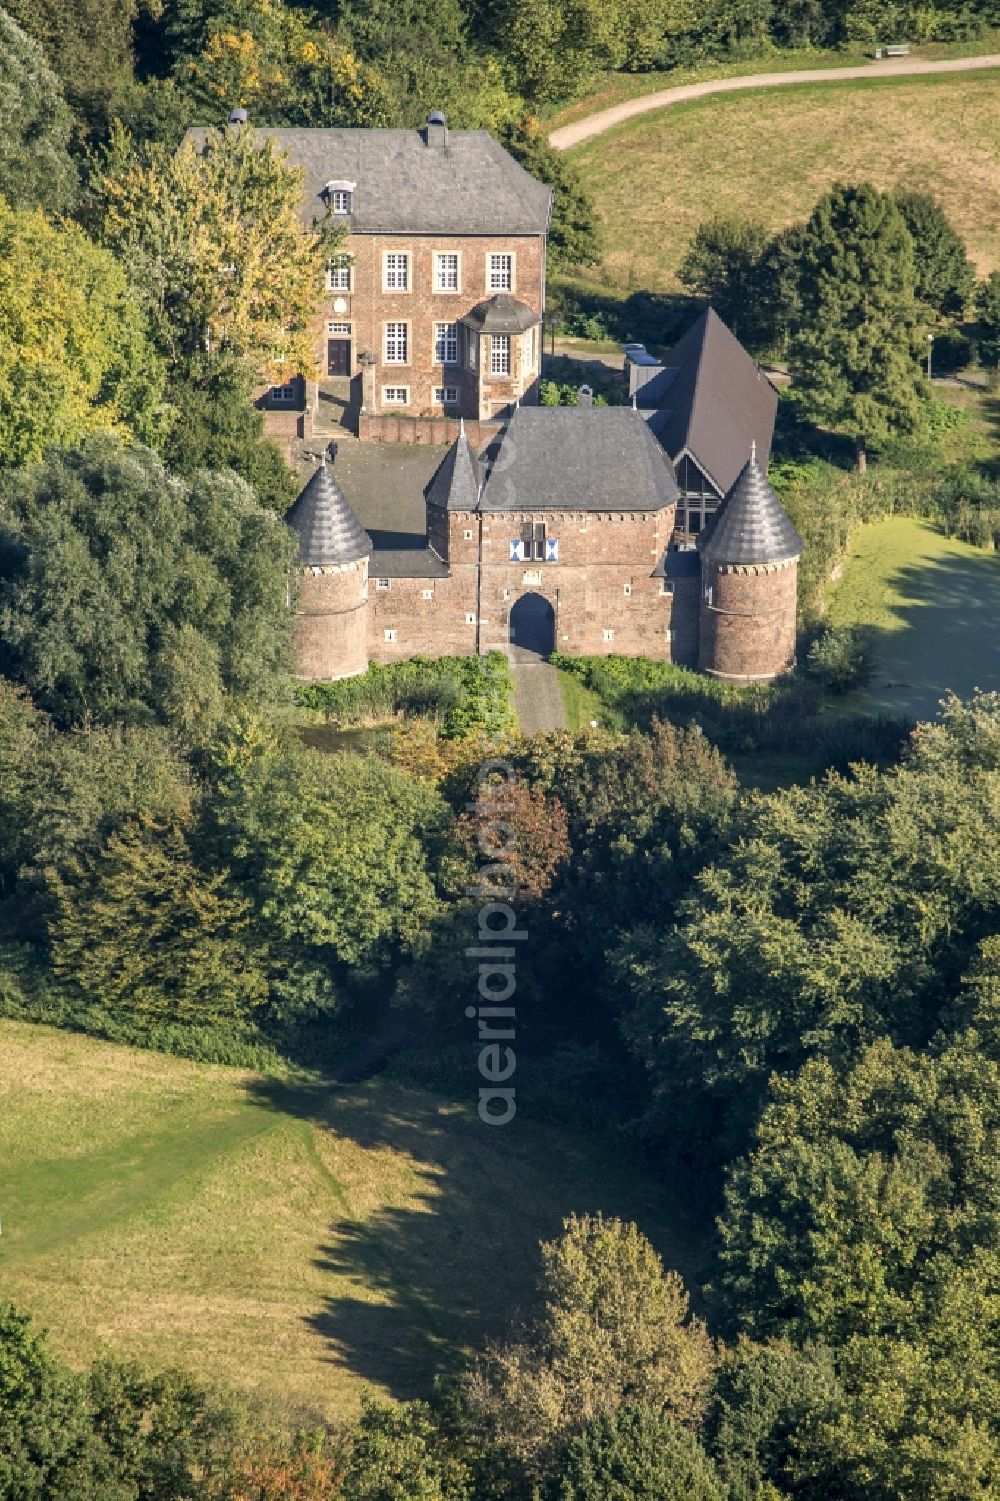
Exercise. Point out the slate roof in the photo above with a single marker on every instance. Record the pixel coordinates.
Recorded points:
(501, 314)
(457, 480)
(711, 398)
(581, 459)
(327, 528)
(469, 185)
(751, 525)
(407, 563)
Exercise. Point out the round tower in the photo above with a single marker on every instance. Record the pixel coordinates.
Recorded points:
(749, 583)
(331, 627)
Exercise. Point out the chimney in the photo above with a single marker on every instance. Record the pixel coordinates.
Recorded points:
(585, 396)
(436, 129)
(237, 117)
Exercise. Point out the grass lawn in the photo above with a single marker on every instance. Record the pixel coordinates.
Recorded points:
(770, 155)
(294, 1239)
(582, 705)
(930, 604)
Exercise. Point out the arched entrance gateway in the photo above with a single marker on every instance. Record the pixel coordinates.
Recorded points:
(532, 628)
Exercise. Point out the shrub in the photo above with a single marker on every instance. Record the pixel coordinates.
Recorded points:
(839, 658)
(464, 695)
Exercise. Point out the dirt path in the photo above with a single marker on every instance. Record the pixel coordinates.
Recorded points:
(607, 119)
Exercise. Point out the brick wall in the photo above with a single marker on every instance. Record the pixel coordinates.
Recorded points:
(367, 307)
(331, 627)
(434, 627)
(748, 628)
(389, 427)
(601, 583)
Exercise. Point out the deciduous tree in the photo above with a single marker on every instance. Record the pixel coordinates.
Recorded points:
(723, 265)
(144, 934)
(44, 1418)
(74, 355)
(130, 595)
(399, 1456)
(88, 44)
(614, 1331)
(574, 234)
(632, 1455)
(214, 246)
(336, 850)
(36, 170)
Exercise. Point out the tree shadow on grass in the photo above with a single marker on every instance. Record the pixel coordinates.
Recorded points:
(947, 639)
(446, 1257)
(991, 412)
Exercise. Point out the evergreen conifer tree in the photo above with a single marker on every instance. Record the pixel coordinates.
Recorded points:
(854, 354)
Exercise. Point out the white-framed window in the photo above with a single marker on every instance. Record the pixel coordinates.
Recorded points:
(397, 343)
(284, 393)
(389, 635)
(473, 342)
(397, 271)
(446, 271)
(608, 634)
(467, 535)
(533, 542)
(396, 396)
(446, 343)
(338, 275)
(427, 594)
(381, 583)
(340, 200)
(341, 329)
(470, 619)
(500, 273)
(445, 396)
(628, 588)
(500, 354)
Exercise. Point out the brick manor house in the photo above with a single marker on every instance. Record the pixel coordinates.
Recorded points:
(647, 529)
(434, 307)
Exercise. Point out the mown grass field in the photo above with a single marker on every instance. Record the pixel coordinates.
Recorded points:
(929, 605)
(771, 154)
(613, 88)
(294, 1239)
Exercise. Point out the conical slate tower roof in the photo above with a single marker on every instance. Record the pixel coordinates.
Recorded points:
(327, 528)
(751, 525)
(457, 481)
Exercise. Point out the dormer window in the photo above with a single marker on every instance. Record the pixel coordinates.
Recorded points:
(339, 197)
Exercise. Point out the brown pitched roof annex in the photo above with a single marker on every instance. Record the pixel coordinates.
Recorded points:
(711, 398)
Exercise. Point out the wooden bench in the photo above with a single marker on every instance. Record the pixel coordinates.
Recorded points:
(893, 49)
